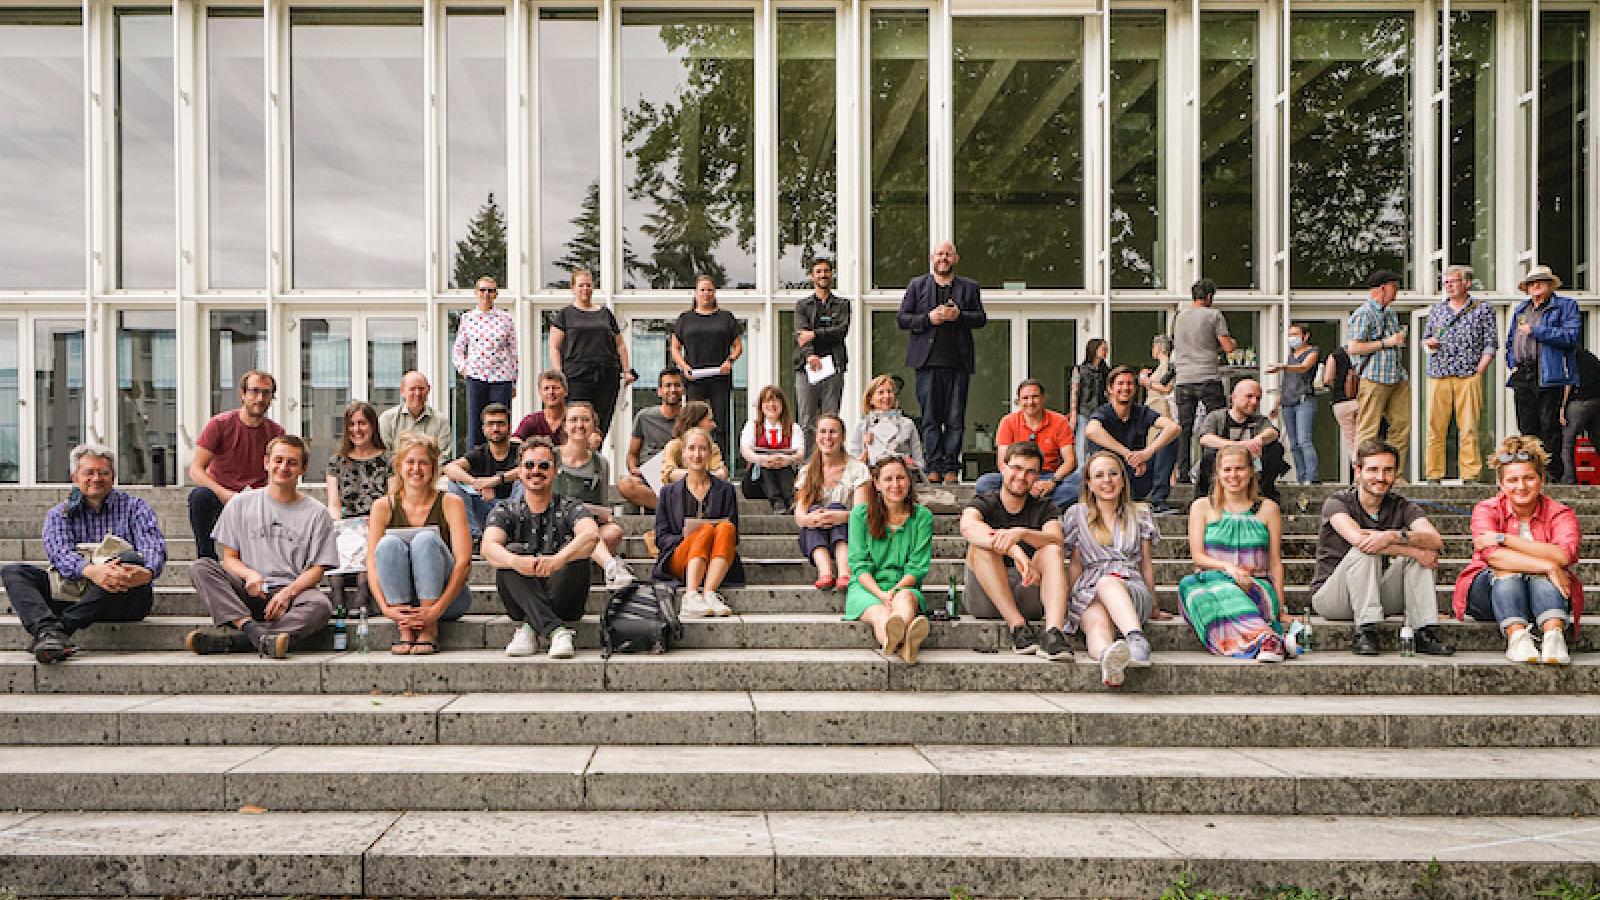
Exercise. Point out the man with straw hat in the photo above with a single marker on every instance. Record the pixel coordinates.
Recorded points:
(1541, 352)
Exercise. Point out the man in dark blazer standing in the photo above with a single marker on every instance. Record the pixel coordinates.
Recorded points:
(940, 309)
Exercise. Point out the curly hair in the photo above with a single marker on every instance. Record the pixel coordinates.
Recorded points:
(1522, 445)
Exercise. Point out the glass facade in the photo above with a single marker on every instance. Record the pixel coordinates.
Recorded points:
(192, 207)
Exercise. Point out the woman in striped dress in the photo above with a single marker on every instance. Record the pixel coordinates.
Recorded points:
(1109, 541)
(1235, 602)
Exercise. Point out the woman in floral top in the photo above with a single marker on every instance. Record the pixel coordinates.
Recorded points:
(485, 354)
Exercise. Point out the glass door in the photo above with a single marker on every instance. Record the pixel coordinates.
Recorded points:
(391, 353)
(10, 402)
(147, 397)
(57, 396)
(323, 384)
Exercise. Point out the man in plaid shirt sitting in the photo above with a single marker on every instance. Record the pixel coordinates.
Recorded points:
(115, 589)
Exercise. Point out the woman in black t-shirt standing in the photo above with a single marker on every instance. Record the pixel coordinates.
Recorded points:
(1336, 376)
(704, 339)
(587, 346)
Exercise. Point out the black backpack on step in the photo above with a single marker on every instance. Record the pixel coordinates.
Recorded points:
(640, 618)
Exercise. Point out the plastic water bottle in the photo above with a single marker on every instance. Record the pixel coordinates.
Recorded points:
(1305, 632)
(341, 632)
(362, 633)
(1408, 641)
(952, 599)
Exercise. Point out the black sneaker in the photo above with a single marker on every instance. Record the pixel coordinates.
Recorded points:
(1364, 641)
(1024, 639)
(215, 639)
(1163, 509)
(1429, 644)
(1054, 645)
(51, 646)
(273, 646)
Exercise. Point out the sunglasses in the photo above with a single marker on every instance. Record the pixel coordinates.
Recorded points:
(1519, 456)
(536, 465)
(488, 290)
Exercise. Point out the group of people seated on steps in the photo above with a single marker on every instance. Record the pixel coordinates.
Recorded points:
(1054, 537)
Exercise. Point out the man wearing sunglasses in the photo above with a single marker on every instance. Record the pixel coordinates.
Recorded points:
(540, 546)
(228, 457)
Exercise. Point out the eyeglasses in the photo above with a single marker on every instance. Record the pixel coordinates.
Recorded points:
(539, 465)
(488, 290)
(259, 392)
(1519, 456)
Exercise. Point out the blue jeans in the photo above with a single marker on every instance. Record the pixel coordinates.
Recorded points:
(412, 572)
(1521, 599)
(477, 507)
(991, 481)
(479, 395)
(1297, 423)
(942, 394)
(1154, 485)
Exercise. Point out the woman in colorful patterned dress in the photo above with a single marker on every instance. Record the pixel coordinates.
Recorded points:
(1235, 603)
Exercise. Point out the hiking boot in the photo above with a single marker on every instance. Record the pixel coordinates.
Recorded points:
(215, 639)
(561, 644)
(1054, 646)
(1428, 642)
(51, 645)
(1364, 641)
(1024, 639)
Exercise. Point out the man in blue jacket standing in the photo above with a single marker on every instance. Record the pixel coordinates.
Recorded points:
(941, 309)
(1541, 347)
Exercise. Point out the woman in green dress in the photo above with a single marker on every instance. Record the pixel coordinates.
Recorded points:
(1235, 603)
(891, 550)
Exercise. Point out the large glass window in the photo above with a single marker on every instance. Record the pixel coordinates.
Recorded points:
(688, 126)
(41, 151)
(475, 112)
(357, 149)
(237, 341)
(1018, 138)
(1138, 133)
(1349, 147)
(57, 396)
(236, 174)
(147, 232)
(808, 131)
(1563, 144)
(1470, 132)
(899, 135)
(1228, 57)
(569, 146)
(324, 386)
(391, 353)
(10, 403)
(147, 396)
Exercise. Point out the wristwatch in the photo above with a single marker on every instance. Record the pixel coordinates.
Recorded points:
(1499, 538)
(1405, 536)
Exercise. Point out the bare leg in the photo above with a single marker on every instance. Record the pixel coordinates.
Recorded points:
(694, 574)
(904, 605)
(1098, 632)
(636, 491)
(715, 572)
(1113, 593)
(824, 563)
(841, 559)
(1052, 585)
(990, 570)
(876, 616)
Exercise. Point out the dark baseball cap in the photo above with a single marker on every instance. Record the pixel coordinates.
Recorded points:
(1382, 277)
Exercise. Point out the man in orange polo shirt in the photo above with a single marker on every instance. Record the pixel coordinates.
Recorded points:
(1047, 428)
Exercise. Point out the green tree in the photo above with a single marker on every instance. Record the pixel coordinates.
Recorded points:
(483, 252)
(583, 248)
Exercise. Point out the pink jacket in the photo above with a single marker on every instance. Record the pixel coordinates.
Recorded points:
(1553, 522)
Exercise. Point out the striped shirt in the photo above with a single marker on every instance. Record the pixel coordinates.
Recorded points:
(1121, 559)
(1374, 322)
(122, 514)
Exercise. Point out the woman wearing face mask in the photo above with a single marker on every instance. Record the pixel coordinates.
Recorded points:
(1298, 395)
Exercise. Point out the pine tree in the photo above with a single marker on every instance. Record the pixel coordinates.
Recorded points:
(583, 249)
(484, 250)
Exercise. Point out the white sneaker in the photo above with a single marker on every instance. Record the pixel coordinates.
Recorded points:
(718, 608)
(561, 644)
(1114, 662)
(523, 642)
(695, 606)
(617, 575)
(1520, 648)
(1553, 649)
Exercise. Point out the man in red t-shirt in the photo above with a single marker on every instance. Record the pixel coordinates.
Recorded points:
(229, 456)
(1050, 430)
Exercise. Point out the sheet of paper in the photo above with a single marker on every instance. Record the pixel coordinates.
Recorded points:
(824, 371)
(650, 470)
(708, 372)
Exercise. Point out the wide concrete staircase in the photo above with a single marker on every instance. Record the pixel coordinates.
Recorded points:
(776, 753)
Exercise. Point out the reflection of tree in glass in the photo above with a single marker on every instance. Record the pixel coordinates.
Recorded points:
(483, 252)
(1136, 134)
(583, 248)
(807, 169)
(693, 154)
(1350, 147)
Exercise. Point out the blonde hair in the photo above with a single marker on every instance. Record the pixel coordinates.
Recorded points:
(1216, 478)
(404, 443)
(695, 432)
(872, 388)
(1538, 457)
(1098, 527)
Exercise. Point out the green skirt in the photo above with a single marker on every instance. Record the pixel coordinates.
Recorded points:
(858, 600)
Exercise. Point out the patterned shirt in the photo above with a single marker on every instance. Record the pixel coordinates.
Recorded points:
(1373, 322)
(122, 514)
(1464, 339)
(538, 534)
(1123, 558)
(486, 345)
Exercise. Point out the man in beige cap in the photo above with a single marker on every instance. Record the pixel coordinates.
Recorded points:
(1376, 348)
(1541, 352)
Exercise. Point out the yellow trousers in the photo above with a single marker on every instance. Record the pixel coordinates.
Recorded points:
(1463, 399)
(1385, 401)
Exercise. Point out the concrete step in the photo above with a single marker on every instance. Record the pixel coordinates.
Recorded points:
(841, 718)
(1173, 672)
(776, 631)
(904, 777)
(789, 853)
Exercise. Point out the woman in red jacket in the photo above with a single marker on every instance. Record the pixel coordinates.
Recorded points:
(1525, 546)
